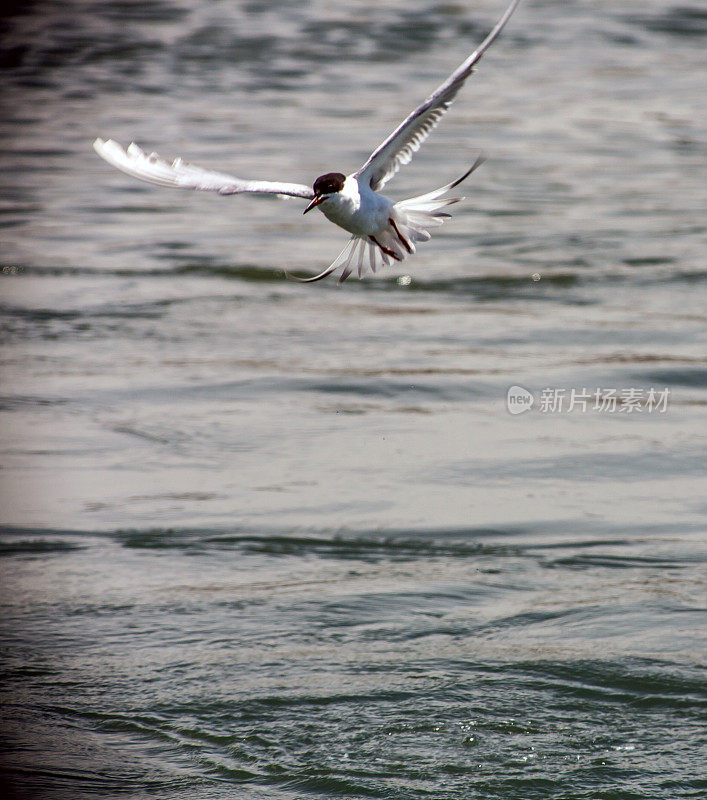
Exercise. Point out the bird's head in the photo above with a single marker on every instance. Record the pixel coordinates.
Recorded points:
(324, 187)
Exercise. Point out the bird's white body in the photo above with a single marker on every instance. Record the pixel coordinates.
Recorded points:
(357, 208)
(380, 229)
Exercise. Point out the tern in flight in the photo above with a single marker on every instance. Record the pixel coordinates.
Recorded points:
(382, 231)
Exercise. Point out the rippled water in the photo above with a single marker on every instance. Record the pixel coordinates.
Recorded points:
(267, 540)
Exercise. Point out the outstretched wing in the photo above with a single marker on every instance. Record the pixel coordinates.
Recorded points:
(182, 175)
(407, 138)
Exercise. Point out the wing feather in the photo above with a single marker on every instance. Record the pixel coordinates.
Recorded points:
(399, 148)
(183, 175)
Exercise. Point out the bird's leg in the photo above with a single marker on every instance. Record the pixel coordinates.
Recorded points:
(386, 250)
(403, 240)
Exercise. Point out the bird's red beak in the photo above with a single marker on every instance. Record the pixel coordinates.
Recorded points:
(317, 200)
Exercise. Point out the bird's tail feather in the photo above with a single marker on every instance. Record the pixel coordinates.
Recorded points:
(430, 198)
(344, 258)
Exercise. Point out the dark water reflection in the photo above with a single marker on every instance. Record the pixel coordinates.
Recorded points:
(268, 540)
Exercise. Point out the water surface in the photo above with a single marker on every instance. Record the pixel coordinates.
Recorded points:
(267, 540)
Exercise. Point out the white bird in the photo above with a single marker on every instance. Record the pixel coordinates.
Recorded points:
(381, 229)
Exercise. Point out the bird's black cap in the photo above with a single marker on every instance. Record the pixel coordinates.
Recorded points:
(329, 183)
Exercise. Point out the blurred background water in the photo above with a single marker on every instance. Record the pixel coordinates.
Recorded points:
(267, 540)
